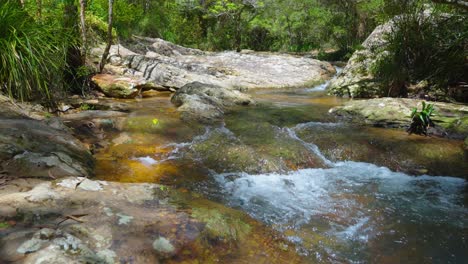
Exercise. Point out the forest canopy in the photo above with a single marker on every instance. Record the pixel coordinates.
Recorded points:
(44, 43)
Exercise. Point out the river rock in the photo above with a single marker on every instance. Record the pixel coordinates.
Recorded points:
(120, 86)
(30, 148)
(356, 79)
(274, 150)
(165, 64)
(391, 148)
(206, 102)
(163, 224)
(450, 119)
(11, 109)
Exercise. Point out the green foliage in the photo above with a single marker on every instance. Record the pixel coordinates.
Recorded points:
(32, 53)
(287, 25)
(420, 121)
(425, 44)
(126, 15)
(98, 25)
(4, 225)
(85, 107)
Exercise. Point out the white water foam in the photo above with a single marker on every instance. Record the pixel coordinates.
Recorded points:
(323, 86)
(293, 199)
(355, 199)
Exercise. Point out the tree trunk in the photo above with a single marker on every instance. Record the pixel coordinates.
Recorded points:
(83, 29)
(238, 33)
(147, 6)
(109, 36)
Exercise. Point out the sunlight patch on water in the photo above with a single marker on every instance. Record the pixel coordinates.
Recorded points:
(147, 160)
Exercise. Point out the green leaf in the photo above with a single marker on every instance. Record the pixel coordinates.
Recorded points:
(422, 119)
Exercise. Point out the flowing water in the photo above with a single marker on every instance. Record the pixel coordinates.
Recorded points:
(340, 192)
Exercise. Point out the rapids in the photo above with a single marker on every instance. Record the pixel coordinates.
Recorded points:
(358, 202)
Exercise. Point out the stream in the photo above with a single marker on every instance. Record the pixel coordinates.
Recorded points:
(340, 192)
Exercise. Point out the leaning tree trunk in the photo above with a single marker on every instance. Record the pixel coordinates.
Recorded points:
(109, 37)
(83, 29)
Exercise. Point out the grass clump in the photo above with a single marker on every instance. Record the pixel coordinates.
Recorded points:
(32, 54)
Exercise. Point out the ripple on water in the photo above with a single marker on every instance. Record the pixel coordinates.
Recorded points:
(356, 207)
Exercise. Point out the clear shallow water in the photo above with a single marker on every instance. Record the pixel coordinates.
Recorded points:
(357, 207)
(353, 207)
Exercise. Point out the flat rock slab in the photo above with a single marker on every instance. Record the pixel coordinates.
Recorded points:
(451, 120)
(165, 64)
(77, 220)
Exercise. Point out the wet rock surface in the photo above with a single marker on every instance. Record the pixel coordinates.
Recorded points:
(391, 148)
(451, 120)
(66, 222)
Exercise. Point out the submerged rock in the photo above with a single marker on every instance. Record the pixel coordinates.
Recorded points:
(450, 119)
(391, 148)
(238, 151)
(160, 223)
(163, 246)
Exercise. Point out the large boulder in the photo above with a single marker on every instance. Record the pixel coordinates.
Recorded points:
(77, 220)
(34, 144)
(356, 79)
(30, 148)
(207, 102)
(450, 119)
(11, 109)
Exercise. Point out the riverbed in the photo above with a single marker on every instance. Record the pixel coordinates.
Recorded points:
(340, 192)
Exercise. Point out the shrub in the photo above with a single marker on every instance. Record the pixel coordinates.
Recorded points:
(423, 45)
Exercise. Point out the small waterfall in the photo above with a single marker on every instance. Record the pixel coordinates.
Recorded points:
(323, 86)
(310, 146)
